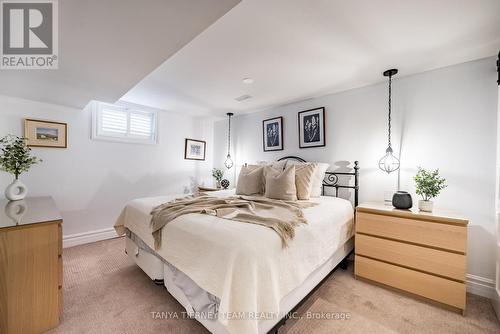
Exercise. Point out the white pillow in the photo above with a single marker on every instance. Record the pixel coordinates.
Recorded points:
(304, 176)
(319, 175)
(318, 178)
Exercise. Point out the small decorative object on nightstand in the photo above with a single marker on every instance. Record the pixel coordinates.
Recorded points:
(428, 185)
(402, 200)
(388, 194)
(417, 252)
(16, 158)
(225, 183)
(218, 174)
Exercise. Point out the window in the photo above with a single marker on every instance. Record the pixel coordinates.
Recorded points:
(117, 123)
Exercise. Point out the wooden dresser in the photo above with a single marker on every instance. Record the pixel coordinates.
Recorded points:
(420, 253)
(30, 265)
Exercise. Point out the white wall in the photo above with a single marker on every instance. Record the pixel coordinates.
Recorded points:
(496, 293)
(92, 180)
(442, 119)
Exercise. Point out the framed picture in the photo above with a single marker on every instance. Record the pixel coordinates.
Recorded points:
(195, 149)
(272, 134)
(45, 133)
(312, 128)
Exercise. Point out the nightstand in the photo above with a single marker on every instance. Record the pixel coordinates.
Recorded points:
(205, 189)
(417, 252)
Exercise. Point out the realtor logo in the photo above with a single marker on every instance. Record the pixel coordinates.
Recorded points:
(29, 34)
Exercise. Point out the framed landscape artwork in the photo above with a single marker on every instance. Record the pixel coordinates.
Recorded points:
(195, 149)
(272, 134)
(40, 133)
(312, 128)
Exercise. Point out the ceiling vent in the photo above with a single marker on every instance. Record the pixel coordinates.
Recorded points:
(243, 97)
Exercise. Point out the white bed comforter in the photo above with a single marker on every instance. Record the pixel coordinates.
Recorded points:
(244, 264)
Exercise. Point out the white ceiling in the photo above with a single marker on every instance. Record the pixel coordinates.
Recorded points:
(297, 49)
(107, 46)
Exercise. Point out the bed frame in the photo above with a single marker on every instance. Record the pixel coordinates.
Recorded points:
(331, 180)
(337, 180)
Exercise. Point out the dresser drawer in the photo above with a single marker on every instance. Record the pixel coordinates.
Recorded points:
(436, 288)
(439, 235)
(431, 260)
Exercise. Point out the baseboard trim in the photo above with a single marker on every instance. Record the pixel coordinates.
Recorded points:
(88, 237)
(480, 286)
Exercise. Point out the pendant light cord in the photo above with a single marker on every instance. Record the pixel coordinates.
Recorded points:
(229, 137)
(389, 125)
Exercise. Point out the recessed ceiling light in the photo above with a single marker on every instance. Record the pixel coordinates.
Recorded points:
(243, 97)
(248, 80)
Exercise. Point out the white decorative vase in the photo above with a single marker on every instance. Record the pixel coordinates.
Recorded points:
(15, 210)
(217, 184)
(425, 205)
(16, 191)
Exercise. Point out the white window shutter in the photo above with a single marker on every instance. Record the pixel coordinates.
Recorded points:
(141, 124)
(113, 121)
(118, 123)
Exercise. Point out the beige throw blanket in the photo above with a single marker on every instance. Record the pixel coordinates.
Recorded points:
(281, 216)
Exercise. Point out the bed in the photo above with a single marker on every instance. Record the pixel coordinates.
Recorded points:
(234, 277)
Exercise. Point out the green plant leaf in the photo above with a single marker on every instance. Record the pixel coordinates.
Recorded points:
(218, 174)
(15, 156)
(428, 184)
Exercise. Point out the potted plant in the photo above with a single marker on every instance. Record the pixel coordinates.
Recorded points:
(218, 174)
(16, 158)
(428, 185)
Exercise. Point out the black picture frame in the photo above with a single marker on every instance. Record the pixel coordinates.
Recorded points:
(272, 134)
(312, 131)
(191, 156)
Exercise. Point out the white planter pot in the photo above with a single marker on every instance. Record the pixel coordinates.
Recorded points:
(425, 205)
(16, 191)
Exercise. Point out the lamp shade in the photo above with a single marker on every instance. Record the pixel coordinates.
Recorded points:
(388, 163)
(229, 162)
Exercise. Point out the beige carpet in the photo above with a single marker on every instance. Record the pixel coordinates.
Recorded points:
(105, 292)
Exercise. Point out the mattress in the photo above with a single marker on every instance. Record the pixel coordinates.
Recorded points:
(200, 304)
(226, 258)
(339, 217)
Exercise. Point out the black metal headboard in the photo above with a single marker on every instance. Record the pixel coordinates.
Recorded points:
(332, 179)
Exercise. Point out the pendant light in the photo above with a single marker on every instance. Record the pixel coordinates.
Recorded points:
(229, 162)
(389, 163)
